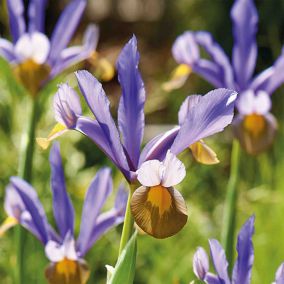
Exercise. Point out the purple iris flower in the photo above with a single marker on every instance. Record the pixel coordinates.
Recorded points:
(32, 54)
(64, 252)
(243, 265)
(199, 117)
(255, 126)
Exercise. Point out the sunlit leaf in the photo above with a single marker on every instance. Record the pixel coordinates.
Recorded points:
(124, 270)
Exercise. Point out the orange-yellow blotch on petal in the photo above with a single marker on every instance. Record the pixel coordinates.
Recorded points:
(7, 224)
(255, 133)
(255, 124)
(159, 211)
(178, 77)
(67, 272)
(57, 130)
(203, 154)
(32, 75)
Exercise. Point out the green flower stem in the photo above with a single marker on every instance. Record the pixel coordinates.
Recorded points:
(127, 230)
(228, 233)
(28, 143)
(25, 172)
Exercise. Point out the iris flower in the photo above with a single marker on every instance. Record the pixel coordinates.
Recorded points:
(34, 57)
(255, 126)
(65, 253)
(243, 265)
(199, 117)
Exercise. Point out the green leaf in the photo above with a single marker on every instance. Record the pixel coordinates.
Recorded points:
(124, 270)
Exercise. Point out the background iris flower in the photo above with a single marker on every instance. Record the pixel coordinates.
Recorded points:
(243, 265)
(199, 117)
(34, 57)
(236, 75)
(66, 254)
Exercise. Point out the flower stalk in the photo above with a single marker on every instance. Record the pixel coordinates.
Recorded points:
(127, 229)
(229, 225)
(25, 171)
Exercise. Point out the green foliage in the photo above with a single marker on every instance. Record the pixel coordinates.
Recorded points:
(124, 270)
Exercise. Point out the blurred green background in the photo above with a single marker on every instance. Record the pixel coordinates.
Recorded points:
(156, 23)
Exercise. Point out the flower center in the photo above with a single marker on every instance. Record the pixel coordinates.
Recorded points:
(254, 123)
(67, 272)
(66, 267)
(160, 197)
(31, 75)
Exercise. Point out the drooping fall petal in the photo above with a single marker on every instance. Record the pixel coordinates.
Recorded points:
(160, 212)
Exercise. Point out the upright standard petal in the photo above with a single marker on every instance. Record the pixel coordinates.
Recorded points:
(37, 15)
(200, 263)
(186, 51)
(210, 115)
(66, 105)
(96, 196)
(99, 104)
(62, 206)
(251, 102)
(219, 261)
(16, 11)
(32, 206)
(131, 106)
(245, 19)
(150, 173)
(173, 170)
(218, 56)
(34, 46)
(243, 265)
(65, 28)
(75, 54)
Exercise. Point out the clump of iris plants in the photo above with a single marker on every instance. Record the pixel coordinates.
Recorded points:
(152, 170)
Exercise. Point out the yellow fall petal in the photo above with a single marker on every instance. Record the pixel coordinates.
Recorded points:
(178, 77)
(160, 212)
(67, 272)
(203, 154)
(32, 75)
(255, 132)
(254, 123)
(7, 224)
(57, 130)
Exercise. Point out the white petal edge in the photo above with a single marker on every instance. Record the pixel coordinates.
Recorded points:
(149, 174)
(54, 251)
(34, 46)
(173, 170)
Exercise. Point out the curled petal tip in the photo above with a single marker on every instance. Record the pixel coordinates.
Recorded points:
(57, 131)
(178, 78)
(203, 154)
